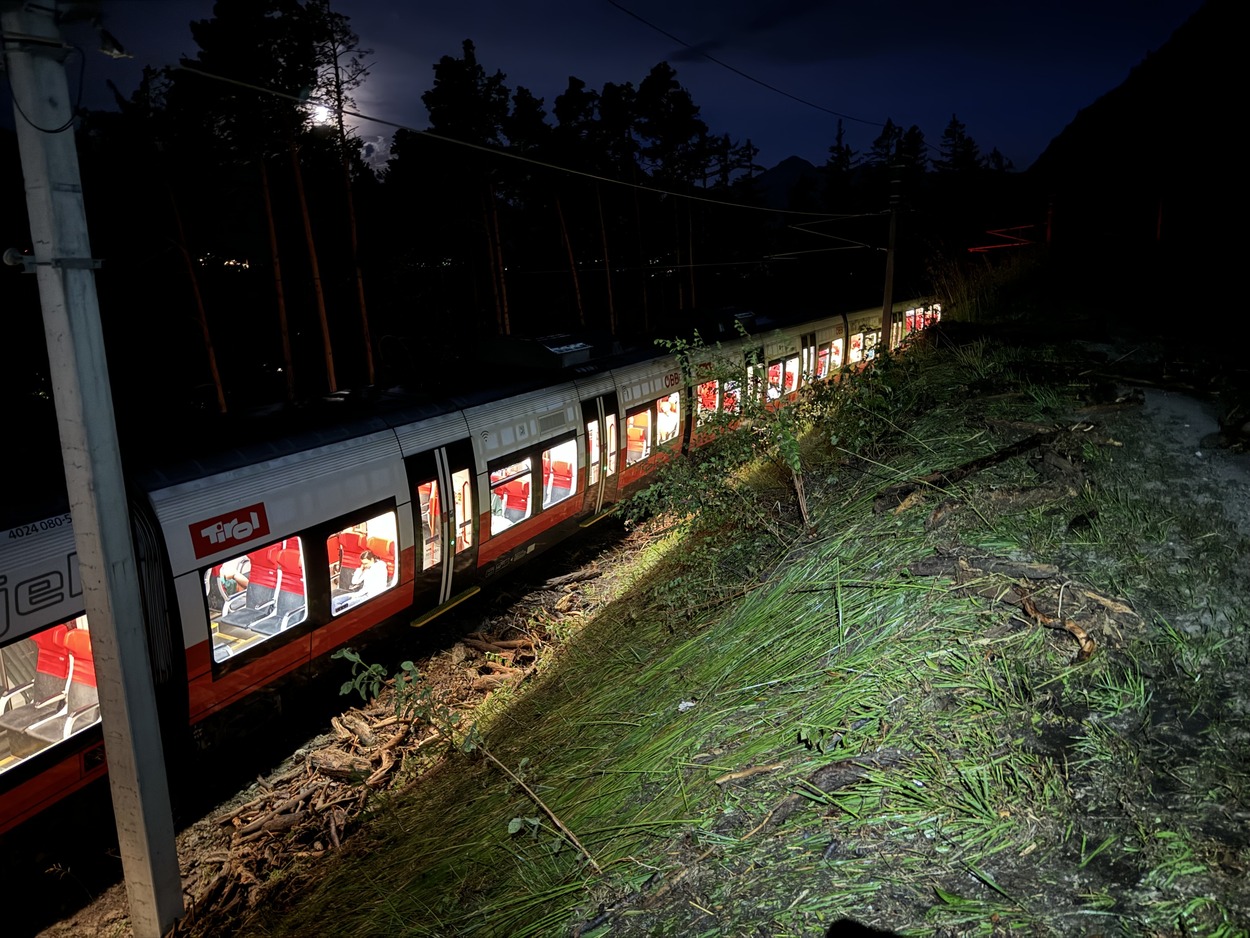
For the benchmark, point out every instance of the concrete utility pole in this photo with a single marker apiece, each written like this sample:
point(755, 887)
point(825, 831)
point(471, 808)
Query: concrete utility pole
point(34, 57)
point(887, 308)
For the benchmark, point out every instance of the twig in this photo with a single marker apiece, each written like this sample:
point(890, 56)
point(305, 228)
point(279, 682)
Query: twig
point(546, 810)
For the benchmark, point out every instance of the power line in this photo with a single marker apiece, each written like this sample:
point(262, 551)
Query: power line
point(742, 74)
point(494, 151)
point(753, 79)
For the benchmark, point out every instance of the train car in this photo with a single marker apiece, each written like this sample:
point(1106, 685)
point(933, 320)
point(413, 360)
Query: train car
point(263, 556)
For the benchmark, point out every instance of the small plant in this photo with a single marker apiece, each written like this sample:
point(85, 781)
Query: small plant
point(367, 679)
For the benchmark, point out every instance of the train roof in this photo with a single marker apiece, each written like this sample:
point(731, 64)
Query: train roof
point(163, 448)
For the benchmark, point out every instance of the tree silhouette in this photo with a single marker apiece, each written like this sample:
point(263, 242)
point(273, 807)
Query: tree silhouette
point(959, 152)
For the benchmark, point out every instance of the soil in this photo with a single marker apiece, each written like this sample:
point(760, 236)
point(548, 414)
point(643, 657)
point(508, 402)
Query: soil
point(316, 794)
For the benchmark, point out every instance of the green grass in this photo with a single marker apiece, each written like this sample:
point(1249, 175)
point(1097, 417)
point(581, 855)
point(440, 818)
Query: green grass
point(997, 787)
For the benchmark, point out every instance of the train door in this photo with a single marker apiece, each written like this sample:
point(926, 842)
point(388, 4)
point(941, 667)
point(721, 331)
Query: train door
point(600, 421)
point(444, 522)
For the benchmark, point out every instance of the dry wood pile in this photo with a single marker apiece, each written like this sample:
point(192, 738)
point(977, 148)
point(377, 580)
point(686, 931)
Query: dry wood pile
point(305, 811)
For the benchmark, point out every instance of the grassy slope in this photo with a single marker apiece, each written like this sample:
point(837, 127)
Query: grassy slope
point(765, 738)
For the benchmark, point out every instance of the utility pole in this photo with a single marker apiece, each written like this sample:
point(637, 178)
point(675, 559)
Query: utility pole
point(34, 54)
point(887, 303)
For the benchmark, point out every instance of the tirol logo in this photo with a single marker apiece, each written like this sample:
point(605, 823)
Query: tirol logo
point(229, 530)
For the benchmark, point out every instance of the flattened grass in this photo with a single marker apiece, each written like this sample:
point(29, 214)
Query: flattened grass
point(836, 737)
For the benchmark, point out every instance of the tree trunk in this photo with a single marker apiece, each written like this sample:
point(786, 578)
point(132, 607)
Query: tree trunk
point(607, 265)
point(200, 314)
point(568, 247)
point(339, 99)
point(287, 359)
point(643, 266)
point(690, 251)
point(500, 329)
point(318, 293)
point(499, 268)
point(360, 280)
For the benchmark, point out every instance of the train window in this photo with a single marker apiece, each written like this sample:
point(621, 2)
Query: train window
point(462, 483)
point(610, 430)
point(857, 347)
point(254, 596)
point(808, 352)
point(510, 495)
point(431, 526)
point(729, 400)
point(837, 353)
point(668, 418)
point(822, 362)
point(775, 379)
point(756, 380)
point(792, 374)
point(637, 435)
point(47, 690)
point(870, 344)
point(592, 453)
point(559, 472)
point(708, 396)
point(364, 561)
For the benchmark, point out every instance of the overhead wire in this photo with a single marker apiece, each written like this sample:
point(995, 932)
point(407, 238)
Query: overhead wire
point(495, 151)
point(739, 72)
point(751, 78)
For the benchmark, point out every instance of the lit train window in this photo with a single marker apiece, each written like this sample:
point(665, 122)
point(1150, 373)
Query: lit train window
point(708, 396)
point(462, 482)
point(668, 418)
point(592, 453)
point(822, 363)
point(637, 435)
point(870, 344)
point(431, 529)
point(729, 401)
point(610, 430)
point(254, 596)
point(510, 495)
point(47, 690)
point(808, 352)
point(857, 347)
point(775, 379)
point(559, 472)
point(364, 559)
point(756, 380)
point(837, 353)
point(792, 374)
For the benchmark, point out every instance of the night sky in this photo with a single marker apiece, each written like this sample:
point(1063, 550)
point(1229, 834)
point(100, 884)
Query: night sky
point(1015, 74)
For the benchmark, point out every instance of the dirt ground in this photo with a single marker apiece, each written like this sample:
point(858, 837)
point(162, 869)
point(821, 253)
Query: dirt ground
point(225, 854)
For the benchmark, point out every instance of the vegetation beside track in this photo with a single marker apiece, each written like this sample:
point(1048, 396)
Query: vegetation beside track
point(1004, 702)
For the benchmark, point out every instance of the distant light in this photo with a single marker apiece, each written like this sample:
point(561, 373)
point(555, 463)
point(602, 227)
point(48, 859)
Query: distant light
point(321, 114)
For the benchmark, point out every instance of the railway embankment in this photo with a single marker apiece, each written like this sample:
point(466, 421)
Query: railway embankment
point(993, 684)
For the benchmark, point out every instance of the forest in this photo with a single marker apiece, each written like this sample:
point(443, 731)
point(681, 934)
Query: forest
point(239, 221)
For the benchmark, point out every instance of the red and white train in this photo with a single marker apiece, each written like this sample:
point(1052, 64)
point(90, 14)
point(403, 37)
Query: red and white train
point(268, 555)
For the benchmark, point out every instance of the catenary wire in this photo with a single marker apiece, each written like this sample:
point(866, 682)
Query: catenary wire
point(505, 153)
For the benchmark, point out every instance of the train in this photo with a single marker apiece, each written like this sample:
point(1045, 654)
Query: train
point(269, 550)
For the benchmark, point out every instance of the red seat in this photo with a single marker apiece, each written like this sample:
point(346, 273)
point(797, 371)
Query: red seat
point(255, 602)
point(53, 655)
point(291, 566)
point(78, 643)
point(289, 608)
point(516, 497)
point(82, 701)
point(562, 474)
point(47, 691)
point(384, 549)
point(353, 542)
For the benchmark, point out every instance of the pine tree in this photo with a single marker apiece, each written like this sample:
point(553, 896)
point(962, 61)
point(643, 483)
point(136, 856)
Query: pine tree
point(959, 152)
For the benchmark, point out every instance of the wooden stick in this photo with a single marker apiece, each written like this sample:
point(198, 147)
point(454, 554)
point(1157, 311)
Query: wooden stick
point(546, 810)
